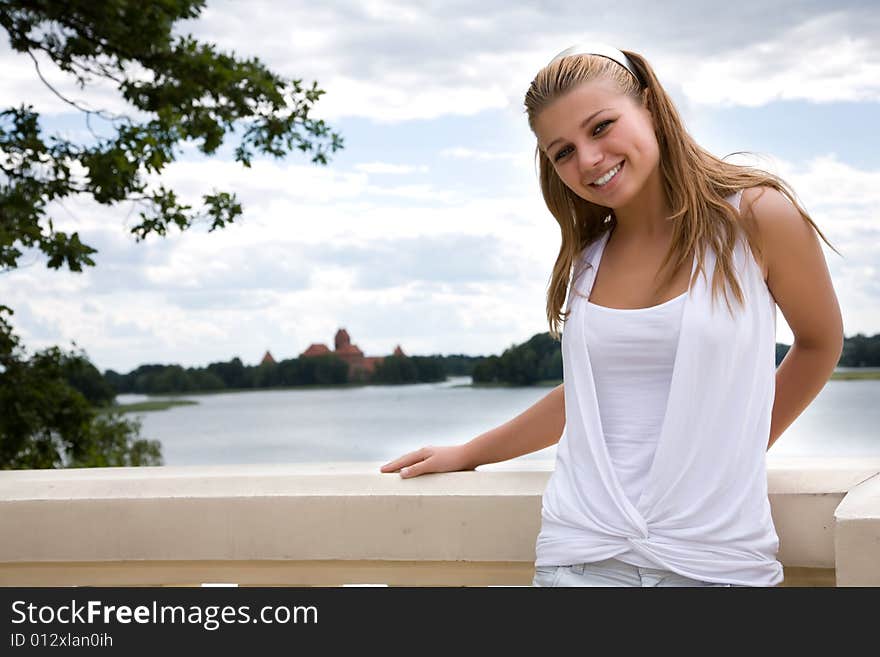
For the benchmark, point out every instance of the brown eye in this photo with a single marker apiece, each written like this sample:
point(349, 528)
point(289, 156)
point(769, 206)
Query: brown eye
point(604, 123)
point(561, 154)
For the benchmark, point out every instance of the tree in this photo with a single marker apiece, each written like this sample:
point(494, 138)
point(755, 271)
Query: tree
point(81, 375)
point(48, 423)
point(179, 90)
point(429, 368)
point(537, 359)
point(325, 369)
point(184, 89)
point(395, 369)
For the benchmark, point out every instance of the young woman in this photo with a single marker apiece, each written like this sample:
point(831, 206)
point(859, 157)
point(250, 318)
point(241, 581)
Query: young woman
point(671, 266)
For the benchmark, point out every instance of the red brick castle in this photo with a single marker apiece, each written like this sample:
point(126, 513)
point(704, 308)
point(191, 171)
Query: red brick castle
point(359, 366)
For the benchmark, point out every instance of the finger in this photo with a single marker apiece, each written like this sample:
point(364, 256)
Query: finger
point(419, 468)
point(405, 460)
point(414, 470)
point(396, 465)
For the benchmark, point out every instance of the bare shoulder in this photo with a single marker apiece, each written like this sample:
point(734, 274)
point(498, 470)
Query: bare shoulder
point(768, 204)
point(776, 221)
point(795, 269)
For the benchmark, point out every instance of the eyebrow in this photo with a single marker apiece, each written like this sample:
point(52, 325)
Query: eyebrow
point(582, 125)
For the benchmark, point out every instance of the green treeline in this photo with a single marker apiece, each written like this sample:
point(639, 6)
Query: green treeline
point(858, 351)
point(538, 359)
point(327, 369)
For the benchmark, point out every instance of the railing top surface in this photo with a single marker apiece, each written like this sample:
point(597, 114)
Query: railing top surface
point(786, 475)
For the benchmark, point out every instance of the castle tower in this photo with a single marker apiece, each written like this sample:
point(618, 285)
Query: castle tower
point(342, 339)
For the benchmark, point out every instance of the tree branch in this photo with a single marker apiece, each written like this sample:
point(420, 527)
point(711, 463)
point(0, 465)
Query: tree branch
point(107, 116)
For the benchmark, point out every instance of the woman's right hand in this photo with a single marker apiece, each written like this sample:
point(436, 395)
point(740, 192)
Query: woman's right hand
point(430, 459)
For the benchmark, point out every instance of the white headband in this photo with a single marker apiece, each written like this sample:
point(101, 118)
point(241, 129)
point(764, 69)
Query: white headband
point(602, 50)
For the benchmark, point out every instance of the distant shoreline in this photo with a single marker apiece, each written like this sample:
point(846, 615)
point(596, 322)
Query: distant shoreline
point(855, 375)
point(168, 400)
point(850, 375)
point(147, 406)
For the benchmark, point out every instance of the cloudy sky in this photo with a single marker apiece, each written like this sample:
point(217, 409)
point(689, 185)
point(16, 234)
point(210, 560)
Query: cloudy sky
point(429, 230)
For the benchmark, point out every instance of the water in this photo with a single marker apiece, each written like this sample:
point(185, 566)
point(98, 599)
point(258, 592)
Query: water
point(380, 423)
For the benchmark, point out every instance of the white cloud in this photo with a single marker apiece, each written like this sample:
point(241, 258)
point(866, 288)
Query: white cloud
point(386, 168)
point(402, 61)
point(316, 248)
point(404, 98)
point(462, 153)
point(395, 61)
point(818, 60)
point(824, 183)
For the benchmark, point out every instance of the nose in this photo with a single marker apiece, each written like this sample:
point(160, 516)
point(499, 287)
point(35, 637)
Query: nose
point(589, 161)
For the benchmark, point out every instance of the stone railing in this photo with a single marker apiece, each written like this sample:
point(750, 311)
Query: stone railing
point(333, 524)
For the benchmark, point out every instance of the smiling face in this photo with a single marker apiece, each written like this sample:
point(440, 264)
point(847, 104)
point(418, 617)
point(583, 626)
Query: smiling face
point(600, 142)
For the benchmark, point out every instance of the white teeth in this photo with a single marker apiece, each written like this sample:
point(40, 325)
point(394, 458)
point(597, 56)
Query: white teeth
point(608, 176)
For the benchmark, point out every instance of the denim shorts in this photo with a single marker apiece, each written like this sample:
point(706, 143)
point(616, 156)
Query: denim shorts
point(612, 572)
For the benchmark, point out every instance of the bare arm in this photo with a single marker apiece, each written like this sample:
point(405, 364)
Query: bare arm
point(537, 427)
point(799, 378)
point(798, 279)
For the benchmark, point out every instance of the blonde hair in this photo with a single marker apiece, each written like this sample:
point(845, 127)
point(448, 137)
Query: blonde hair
point(695, 183)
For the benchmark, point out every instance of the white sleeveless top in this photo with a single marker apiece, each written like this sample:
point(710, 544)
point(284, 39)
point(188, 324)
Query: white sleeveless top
point(632, 353)
point(662, 459)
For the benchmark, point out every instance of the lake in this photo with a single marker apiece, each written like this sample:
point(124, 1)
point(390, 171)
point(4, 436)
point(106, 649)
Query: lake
point(379, 423)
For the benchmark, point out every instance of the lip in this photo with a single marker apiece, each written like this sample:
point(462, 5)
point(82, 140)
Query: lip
point(611, 184)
